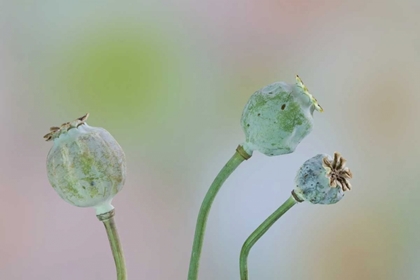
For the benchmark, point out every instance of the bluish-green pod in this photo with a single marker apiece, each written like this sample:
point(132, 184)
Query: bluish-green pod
point(86, 165)
point(277, 118)
point(322, 180)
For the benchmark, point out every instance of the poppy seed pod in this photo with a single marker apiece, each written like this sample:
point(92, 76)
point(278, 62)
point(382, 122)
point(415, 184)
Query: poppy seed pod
point(277, 118)
point(86, 165)
point(322, 180)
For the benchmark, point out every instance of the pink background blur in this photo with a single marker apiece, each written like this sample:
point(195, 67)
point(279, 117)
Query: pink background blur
point(169, 80)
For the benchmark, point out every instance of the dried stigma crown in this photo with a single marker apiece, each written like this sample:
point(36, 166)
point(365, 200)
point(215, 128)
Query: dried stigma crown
point(300, 84)
point(337, 173)
point(55, 131)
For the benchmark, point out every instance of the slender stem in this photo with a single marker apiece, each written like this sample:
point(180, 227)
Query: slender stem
point(239, 156)
point(253, 238)
point(114, 240)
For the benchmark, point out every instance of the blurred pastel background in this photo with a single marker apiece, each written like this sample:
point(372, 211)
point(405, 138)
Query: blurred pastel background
point(169, 80)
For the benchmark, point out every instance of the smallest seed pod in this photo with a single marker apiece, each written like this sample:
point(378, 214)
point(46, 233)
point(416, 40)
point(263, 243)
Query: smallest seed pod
point(277, 118)
point(86, 165)
point(322, 180)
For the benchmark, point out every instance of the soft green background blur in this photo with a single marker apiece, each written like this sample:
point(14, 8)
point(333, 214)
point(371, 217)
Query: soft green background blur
point(169, 80)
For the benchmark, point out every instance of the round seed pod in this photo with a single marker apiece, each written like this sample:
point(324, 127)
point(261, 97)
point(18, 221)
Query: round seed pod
point(322, 180)
point(277, 118)
point(86, 165)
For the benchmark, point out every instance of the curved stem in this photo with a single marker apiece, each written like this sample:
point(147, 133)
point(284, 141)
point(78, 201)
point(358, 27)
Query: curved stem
point(239, 156)
point(114, 240)
point(260, 231)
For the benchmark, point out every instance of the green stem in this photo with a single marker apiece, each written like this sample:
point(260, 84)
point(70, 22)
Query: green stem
point(239, 156)
point(260, 231)
point(114, 240)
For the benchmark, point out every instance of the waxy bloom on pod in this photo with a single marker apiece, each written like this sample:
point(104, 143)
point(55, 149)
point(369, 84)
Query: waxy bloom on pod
point(322, 180)
point(86, 165)
point(277, 118)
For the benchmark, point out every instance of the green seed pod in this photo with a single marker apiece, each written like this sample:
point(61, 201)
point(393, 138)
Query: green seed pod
point(277, 118)
point(321, 180)
point(86, 165)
